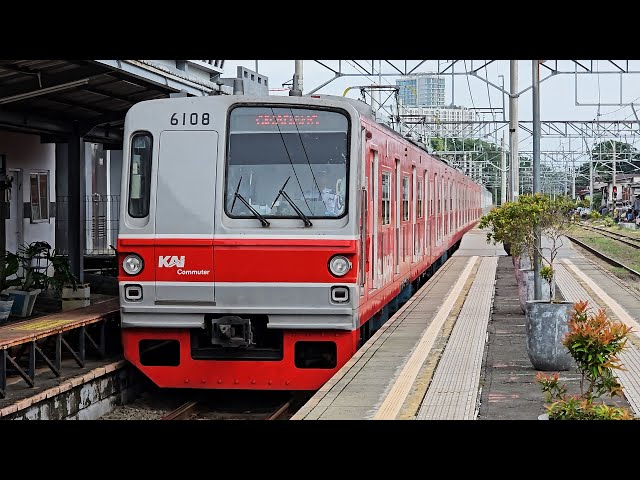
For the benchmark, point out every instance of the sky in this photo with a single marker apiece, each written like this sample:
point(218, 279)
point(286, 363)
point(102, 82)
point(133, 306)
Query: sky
point(563, 96)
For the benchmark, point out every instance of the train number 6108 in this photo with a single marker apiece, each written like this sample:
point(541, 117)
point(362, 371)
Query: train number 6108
point(189, 119)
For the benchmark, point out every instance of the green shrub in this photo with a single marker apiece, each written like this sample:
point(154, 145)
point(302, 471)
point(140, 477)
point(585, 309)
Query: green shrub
point(594, 342)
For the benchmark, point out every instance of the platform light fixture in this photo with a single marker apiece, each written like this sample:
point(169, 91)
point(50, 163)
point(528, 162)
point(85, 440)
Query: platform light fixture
point(43, 91)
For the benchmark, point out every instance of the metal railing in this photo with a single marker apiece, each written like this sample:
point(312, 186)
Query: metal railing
point(101, 214)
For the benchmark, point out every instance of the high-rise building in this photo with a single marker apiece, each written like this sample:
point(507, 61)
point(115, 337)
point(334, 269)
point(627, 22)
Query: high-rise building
point(421, 90)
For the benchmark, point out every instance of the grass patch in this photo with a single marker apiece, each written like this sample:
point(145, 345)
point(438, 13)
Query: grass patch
point(620, 252)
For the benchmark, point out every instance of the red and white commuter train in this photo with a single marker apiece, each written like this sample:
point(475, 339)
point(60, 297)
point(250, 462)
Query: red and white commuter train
point(262, 240)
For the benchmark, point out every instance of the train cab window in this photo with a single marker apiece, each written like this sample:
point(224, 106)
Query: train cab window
point(386, 198)
point(140, 175)
point(405, 198)
point(287, 162)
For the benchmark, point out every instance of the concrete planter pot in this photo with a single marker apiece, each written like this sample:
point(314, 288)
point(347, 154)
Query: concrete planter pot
point(23, 301)
point(82, 291)
point(547, 324)
point(526, 288)
point(5, 309)
point(80, 297)
point(521, 262)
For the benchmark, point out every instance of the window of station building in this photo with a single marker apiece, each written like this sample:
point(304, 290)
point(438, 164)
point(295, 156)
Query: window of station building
point(405, 198)
point(386, 198)
point(39, 188)
point(420, 193)
point(140, 175)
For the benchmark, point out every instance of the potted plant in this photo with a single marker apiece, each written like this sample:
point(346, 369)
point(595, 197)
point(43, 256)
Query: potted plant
point(514, 223)
point(500, 228)
point(594, 342)
point(547, 319)
point(8, 268)
point(36, 260)
point(66, 285)
point(32, 260)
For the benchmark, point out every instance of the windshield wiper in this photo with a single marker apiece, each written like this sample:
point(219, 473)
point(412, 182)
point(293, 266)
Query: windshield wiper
point(305, 219)
point(264, 221)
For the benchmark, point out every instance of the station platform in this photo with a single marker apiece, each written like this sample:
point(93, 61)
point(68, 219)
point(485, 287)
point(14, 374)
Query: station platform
point(40, 353)
point(457, 349)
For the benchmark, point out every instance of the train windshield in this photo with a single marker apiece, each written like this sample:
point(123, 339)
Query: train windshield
point(285, 160)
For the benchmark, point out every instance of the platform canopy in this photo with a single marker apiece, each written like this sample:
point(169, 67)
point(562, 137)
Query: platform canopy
point(89, 98)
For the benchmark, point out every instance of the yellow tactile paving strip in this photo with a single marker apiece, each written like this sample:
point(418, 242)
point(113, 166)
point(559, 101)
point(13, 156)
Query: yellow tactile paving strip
point(630, 357)
point(36, 328)
point(453, 393)
point(398, 393)
point(431, 294)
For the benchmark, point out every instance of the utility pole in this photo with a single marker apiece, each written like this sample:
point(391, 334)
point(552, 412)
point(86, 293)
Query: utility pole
point(296, 90)
point(513, 130)
point(573, 178)
point(379, 99)
point(613, 187)
point(590, 173)
point(503, 172)
point(535, 75)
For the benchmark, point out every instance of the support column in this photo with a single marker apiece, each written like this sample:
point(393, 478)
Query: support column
point(514, 190)
point(535, 75)
point(75, 210)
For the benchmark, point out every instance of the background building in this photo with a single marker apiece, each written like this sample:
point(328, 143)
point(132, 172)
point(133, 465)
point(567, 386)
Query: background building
point(421, 90)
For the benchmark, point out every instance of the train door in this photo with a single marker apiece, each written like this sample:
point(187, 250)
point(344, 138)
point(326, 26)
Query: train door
point(436, 210)
point(398, 221)
point(414, 216)
point(443, 203)
point(184, 217)
point(427, 213)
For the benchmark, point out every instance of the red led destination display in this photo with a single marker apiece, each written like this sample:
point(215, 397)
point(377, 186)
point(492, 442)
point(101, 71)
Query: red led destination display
point(286, 119)
point(279, 120)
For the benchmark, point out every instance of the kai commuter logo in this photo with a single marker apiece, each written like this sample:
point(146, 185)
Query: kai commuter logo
point(171, 261)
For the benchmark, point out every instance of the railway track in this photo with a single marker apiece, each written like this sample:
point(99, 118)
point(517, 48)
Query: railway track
point(604, 257)
point(183, 404)
point(194, 410)
point(626, 239)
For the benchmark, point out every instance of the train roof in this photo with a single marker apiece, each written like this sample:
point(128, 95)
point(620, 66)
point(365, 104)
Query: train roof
point(365, 110)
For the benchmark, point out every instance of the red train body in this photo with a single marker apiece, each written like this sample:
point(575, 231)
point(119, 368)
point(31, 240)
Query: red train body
point(233, 276)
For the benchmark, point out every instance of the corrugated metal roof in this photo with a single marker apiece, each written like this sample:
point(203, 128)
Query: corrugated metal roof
point(174, 73)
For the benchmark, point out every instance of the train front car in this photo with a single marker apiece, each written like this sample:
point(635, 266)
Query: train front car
point(238, 241)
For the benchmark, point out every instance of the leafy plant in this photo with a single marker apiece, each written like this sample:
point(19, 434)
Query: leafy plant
point(594, 342)
point(8, 268)
point(35, 259)
point(512, 223)
point(531, 218)
point(62, 274)
point(583, 203)
point(552, 220)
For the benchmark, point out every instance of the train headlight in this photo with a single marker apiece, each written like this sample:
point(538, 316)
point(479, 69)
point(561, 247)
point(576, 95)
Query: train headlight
point(132, 264)
point(339, 265)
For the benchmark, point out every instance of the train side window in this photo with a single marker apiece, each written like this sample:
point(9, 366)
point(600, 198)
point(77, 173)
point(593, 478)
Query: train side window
point(140, 175)
point(405, 198)
point(419, 198)
point(386, 198)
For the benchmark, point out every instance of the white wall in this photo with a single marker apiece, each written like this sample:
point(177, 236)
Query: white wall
point(27, 153)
